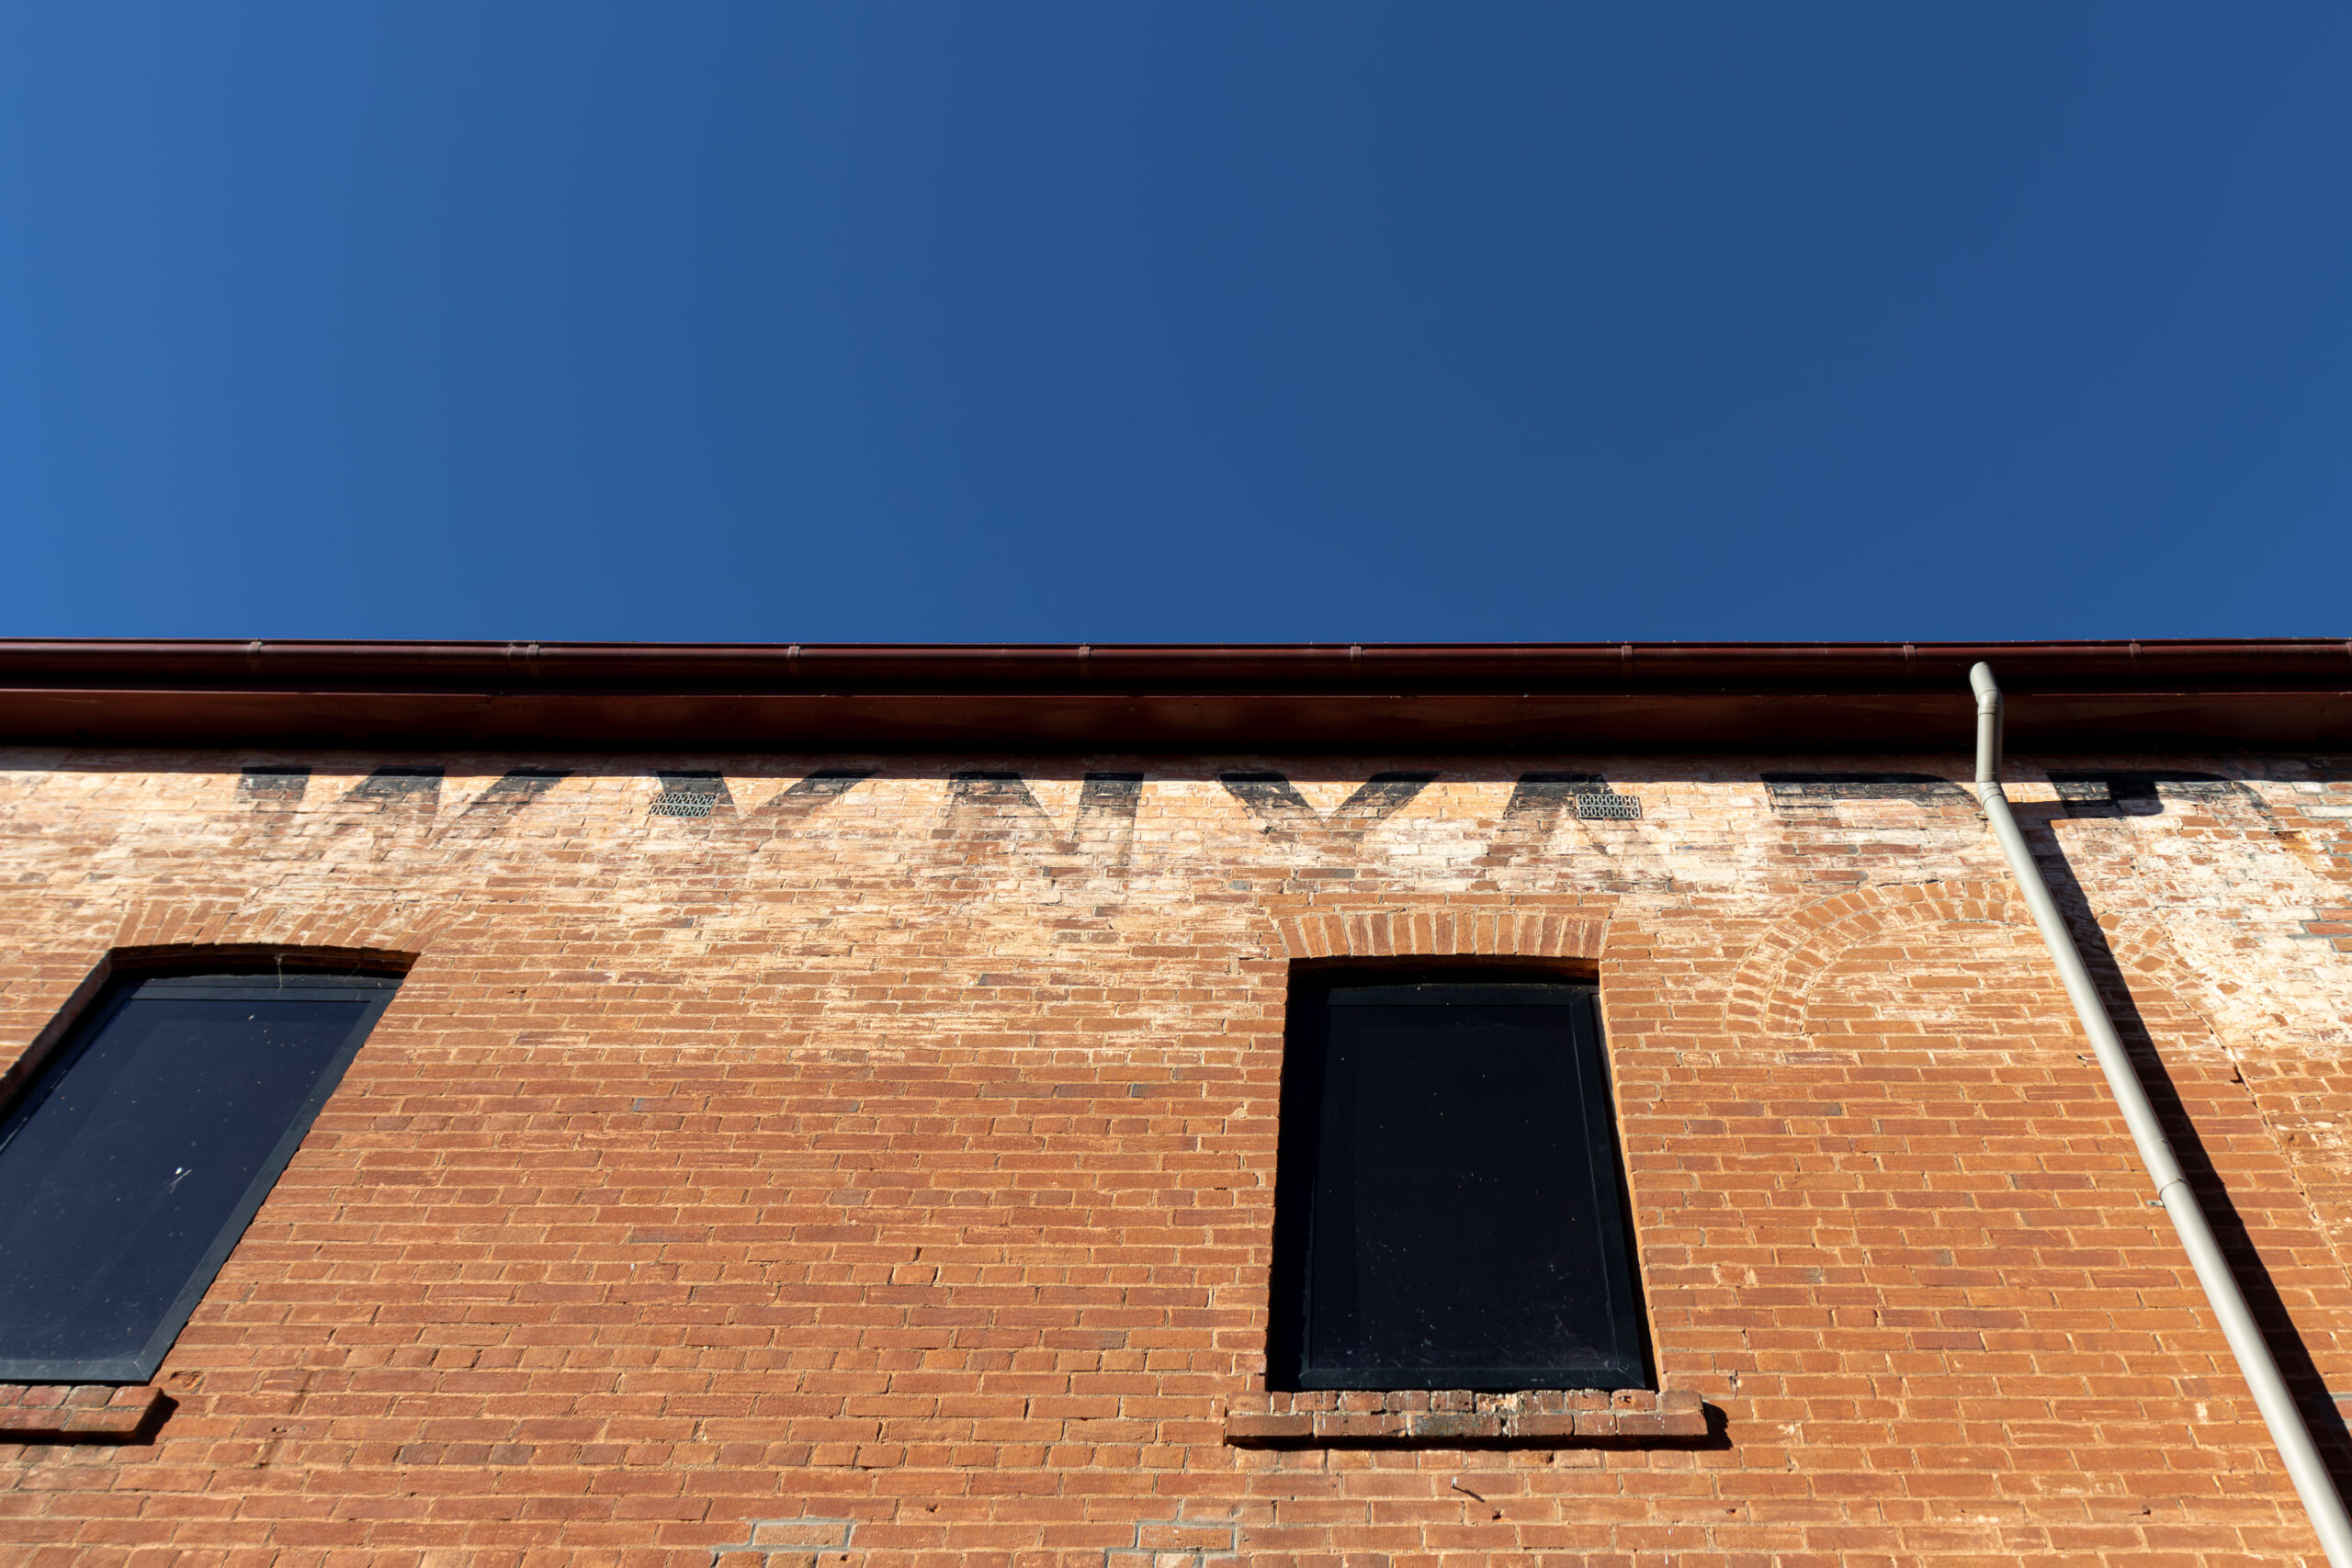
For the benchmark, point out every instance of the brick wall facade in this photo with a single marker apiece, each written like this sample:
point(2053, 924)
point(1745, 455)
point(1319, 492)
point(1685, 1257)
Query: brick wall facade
point(876, 1169)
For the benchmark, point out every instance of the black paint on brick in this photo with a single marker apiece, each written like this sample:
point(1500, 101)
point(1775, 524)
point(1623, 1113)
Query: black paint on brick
point(1804, 791)
point(273, 789)
point(520, 786)
point(1272, 799)
point(1105, 829)
point(525, 784)
point(1533, 811)
point(509, 794)
point(982, 790)
point(986, 807)
point(399, 786)
point(1549, 792)
point(1380, 797)
point(812, 793)
point(1110, 795)
point(1277, 805)
point(1538, 801)
point(2141, 791)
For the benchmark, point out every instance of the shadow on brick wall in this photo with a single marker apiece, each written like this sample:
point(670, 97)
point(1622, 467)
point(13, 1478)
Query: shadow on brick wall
point(2295, 1363)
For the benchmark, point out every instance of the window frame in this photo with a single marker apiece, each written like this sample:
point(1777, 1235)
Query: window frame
point(1297, 1183)
point(374, 988)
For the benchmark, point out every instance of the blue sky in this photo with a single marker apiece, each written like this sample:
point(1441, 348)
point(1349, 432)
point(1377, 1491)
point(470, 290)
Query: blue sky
point(1192, 321)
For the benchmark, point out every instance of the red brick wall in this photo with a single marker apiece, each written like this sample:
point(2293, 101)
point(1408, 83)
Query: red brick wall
point(881, 1174)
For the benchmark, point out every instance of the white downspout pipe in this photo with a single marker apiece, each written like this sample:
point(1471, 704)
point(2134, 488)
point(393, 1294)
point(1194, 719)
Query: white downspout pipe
point(2287, 1430)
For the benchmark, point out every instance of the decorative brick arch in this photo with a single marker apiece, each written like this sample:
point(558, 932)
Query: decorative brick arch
point(1444, 927)
point(374, 925)
point(1770, 991)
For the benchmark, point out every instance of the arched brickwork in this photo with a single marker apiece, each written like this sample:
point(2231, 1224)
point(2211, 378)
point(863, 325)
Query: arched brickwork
point(1773, 987)
point(384, 926)
point(1770, 989)
point(2276, 1177)
point(48, 987)
point(1444, 927)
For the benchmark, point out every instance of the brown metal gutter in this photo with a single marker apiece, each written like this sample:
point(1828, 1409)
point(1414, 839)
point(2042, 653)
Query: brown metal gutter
point(1541, 698)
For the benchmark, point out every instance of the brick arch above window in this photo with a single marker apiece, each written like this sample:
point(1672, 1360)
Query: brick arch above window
point(1438, 926)
point(383, 926)
point(62, 1003)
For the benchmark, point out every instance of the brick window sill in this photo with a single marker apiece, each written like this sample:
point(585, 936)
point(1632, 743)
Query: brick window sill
point(79, 1412)
point(1550, 1419)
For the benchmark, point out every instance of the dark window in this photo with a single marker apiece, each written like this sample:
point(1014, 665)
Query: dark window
point(140, 1152)
point(1447, 1202)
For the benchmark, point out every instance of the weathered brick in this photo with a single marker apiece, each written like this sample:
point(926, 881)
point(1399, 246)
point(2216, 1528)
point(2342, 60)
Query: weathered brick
point(905, 1160)
point(1259, 1428)
point(78, 1413)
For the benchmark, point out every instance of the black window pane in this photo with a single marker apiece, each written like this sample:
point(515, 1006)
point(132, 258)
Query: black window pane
point(125, 1166)
point(1463, 1228)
